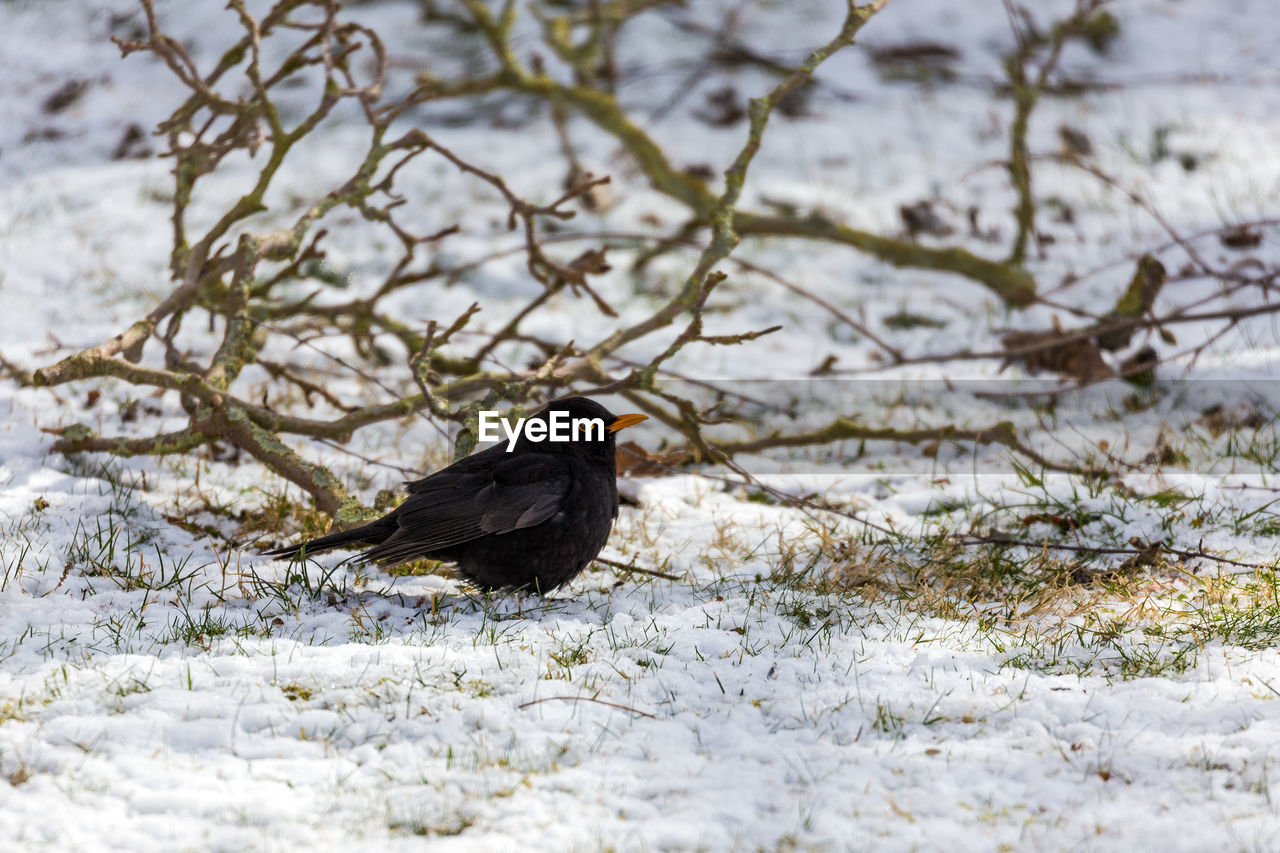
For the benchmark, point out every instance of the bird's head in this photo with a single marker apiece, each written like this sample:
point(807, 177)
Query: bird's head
point(589, 426)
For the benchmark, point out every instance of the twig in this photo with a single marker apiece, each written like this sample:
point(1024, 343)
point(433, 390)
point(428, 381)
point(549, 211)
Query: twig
point(626, 708)
point(1154, 548)
point(632, 567)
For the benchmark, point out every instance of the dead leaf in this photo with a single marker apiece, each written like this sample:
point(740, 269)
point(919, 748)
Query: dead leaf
point(1078, 358)
point(1062, 522)
point(1140, 368)
point(1075, 142)
point(1219, 419)
point(826, 366)
point(635, 461)
point(133, 144)
point(921, 218)
point(1240, 237)
point(724, 108)
point(1147, 556)
point(591, 262)
point(65, 96)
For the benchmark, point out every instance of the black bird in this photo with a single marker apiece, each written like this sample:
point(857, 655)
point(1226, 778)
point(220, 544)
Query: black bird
point(530, 518)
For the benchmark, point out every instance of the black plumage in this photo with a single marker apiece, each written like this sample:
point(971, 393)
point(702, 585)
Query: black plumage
point(530, 518)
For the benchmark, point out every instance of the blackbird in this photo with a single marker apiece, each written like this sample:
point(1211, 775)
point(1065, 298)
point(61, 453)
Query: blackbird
point(529, 514)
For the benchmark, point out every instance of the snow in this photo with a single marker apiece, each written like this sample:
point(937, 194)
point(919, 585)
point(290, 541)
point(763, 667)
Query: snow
point(160, 689)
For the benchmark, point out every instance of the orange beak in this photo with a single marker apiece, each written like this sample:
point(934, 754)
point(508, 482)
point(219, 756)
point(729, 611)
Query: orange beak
point(625, 421)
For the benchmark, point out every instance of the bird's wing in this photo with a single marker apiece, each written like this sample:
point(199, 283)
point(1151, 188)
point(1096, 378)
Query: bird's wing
point(476, 463)
point(452, 507)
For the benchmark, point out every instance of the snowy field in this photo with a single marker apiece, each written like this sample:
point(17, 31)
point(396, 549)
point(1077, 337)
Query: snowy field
point(804, 684)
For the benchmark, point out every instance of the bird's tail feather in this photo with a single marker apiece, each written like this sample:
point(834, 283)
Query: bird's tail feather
point(369, 534)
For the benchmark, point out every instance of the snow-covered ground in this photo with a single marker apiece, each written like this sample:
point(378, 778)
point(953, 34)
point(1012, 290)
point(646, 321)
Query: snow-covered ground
point(800, 686)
